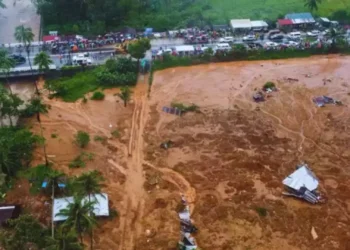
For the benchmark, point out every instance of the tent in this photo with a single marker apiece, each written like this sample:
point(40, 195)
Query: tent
point(101, 207)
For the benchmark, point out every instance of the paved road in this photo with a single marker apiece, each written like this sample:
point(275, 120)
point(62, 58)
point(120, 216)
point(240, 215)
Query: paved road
point(18, 12)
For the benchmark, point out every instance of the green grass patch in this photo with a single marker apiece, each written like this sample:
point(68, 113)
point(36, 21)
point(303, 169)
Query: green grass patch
point(185, 108)
point(261, 211)
point(98, 95)
point(100, 138)
point(116, 133)
point(80, 160)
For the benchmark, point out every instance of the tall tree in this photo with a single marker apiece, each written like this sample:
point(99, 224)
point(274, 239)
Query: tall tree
point(9, 104)
point(79, 217)
point(37, 107)
point(64, 240)
point(138, 48)
point(25, 35)
point(312, 4)
point(43, 60)
point(89, 183)
point(6, 63)
point(125, 94)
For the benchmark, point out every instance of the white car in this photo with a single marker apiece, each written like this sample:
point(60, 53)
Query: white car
point(227, 39)
point(82, 59)
point(222, 46)
point(314, 33)
point(271, 44)
point(294, 35)
point(249, 38)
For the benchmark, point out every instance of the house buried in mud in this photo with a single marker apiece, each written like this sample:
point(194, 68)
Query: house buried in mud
point(302, 184)
point(187, 242)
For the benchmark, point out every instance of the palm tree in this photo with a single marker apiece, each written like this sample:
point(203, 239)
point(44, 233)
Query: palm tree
point(53, 178)
point(89, 183)
point(125, 94)
point(26, 36)
point(64, 240)
point(6, 63)
point(80, 216)
point(37, 107)
point(43, 60)
point(312, 4)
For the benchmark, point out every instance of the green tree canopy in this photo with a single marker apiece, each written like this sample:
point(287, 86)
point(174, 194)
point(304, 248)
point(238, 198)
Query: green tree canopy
point(82, 139)
point(43, 60)
point(125, 94)
point(79, 215)
point(138, 49)
point(64, 240)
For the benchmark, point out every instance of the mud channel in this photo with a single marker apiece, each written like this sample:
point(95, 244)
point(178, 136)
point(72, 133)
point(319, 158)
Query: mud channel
point(228, 159)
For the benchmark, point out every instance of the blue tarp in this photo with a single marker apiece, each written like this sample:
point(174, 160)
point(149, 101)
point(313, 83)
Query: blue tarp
point(148, 31)
point(60, 185)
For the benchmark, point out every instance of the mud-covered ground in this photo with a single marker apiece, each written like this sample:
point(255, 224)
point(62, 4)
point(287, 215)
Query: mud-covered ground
point(229, 159)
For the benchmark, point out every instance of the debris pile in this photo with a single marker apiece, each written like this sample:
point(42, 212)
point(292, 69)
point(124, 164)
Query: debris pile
point(167, 144)
point(187, 241)
point(321, 101)
point(302, 184)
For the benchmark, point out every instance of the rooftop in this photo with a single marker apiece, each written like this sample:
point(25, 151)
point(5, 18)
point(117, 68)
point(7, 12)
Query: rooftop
point(241, 24)
point(101, 207)
point(302, 177)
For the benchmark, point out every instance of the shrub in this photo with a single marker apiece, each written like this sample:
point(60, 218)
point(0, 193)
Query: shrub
point(184, 108)
point(100, 138)
point(269, 85)
point(53, 135)
point(79, 161)
point(97, 95)
point(82, 139)
point(85, 99)
point(115, 133)
point(261, 211)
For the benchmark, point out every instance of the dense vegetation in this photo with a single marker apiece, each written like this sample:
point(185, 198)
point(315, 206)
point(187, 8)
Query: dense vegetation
point(97, 17)
point(120, 72)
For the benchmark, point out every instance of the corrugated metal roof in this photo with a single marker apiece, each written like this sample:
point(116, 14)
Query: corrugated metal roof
point(241, 24)
point(285, 22)
point(101, 207)
point(299, 18)
point(258, 24)
point(325, 19)
point(302, 177)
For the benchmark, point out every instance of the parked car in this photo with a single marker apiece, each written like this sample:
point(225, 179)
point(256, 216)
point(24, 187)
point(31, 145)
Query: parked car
point(271, 44)
point(294, 35)
point(82, 59)
point(277, 37)
point(289, 44)
point(227, 39)
point(314, 33)
point(18, 59)
point(249, 38)
point(222, 46)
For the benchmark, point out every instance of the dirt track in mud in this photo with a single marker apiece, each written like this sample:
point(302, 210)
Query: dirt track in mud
point(228, 160)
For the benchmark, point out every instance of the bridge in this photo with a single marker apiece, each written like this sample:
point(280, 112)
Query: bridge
point(24, 71)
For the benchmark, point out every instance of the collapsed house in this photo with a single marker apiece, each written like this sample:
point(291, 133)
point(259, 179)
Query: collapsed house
point(321, 101)
point(187, 242)
point(302, 184)
point(258, 97)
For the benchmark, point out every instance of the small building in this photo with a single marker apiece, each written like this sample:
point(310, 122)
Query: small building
point(101, 207)
point(301, 20)
point(246, 25)
point(8, 212)
point(259, 25)
point(284, 24)
point(241, 25)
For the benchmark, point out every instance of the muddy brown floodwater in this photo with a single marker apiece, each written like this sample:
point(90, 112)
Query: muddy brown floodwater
point(229, 159)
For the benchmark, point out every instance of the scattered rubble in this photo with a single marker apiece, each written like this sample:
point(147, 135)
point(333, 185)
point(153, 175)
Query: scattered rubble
point(321, 101)
point(167, 144)
point(187, 242)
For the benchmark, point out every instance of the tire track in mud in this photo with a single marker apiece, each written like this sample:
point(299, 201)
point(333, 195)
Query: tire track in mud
point(134, 198)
